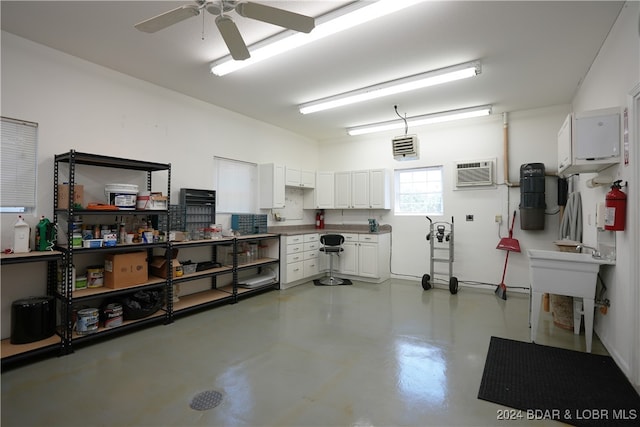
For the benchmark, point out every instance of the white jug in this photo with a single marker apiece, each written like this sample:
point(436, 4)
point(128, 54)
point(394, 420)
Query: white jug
point(21, 236)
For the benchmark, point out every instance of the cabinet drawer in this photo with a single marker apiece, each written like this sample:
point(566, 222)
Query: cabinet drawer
point(295, 239)
point(295, 271)
point(293, 249)
point(350, 237)
point(310, 255)
point(294, 258)
point(370, 238)
point(313, 237)
point(311, 246)
point(310, 267)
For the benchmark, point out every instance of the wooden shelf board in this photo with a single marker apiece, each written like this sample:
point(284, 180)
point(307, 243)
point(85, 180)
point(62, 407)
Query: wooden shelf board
point(9, 349)
point(91, 292)
point(101, 329)
point(199, 298)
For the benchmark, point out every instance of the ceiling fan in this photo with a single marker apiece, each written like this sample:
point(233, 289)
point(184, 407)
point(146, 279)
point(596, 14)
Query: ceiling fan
point(228, 29)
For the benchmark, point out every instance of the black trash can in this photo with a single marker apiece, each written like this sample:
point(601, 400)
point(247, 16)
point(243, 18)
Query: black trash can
point(32, 319)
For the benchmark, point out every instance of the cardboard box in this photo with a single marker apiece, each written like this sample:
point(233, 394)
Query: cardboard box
point(63, 195)
point(158, 264)
point(125, 269)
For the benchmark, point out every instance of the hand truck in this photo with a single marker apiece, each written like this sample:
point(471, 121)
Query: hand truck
point(440, 239)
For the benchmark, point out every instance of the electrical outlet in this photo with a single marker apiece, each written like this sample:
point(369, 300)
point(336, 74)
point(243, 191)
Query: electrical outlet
point(469, 217)
point(499, 219)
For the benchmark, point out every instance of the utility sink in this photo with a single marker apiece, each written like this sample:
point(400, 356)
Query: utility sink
point(565, 273)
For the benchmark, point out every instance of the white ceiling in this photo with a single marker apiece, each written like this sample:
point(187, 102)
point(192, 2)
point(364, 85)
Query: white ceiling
point(533, 54)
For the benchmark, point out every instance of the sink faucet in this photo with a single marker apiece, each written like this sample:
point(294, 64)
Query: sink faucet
point(594, 252)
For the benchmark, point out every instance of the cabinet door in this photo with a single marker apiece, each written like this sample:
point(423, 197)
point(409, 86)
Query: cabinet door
point(379, 194)
point(308, 179)
point(322, 197)
point(342, 190)
point(278, 187)
point(272, 193)
point(292, 177)
point(368, 260)
point(348, 259)
point(564, 145)
point(360, 190)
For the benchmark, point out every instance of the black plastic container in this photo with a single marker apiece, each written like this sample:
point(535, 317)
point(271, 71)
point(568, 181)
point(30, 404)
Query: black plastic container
point(32, 319)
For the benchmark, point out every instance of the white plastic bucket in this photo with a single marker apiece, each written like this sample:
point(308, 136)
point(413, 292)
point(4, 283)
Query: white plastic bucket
point(122, 195)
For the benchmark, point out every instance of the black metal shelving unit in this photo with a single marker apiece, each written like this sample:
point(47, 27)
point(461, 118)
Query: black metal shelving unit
point(63, 258)
point(16, 353)
point(66, 294)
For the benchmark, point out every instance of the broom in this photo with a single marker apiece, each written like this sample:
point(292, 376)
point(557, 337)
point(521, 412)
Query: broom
point(507, 244)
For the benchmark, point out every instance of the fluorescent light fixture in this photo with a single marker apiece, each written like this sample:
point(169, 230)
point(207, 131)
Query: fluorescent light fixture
point(333, 22)
point(405, 84)
point(426, 119)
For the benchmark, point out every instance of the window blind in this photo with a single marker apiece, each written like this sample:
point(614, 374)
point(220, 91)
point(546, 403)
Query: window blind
point(19, 163)
point(236, 185)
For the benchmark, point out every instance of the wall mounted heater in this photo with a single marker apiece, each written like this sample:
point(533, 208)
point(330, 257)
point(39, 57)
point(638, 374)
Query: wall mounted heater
point(405, 147)
point(474, 173)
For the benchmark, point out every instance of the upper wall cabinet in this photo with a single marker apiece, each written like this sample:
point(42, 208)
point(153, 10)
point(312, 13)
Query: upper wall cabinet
point(322, 197)
point(366, 189)
point(589, 141)
point(272, 194)
point(299, 178)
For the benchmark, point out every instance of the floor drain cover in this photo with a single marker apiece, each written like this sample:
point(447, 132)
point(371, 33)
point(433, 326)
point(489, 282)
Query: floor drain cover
point(206, 400)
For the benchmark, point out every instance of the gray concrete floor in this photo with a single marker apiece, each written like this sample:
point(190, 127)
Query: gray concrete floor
point(385, 354)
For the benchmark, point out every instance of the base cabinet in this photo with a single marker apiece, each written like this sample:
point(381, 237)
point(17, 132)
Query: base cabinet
point(301, 254)
point(365, 256)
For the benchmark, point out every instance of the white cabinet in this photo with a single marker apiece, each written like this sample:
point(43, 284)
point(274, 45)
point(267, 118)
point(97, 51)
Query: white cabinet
point(299, 178)
point(379, 189)
point(272, 193)
point(342, 190)
point(300, 254)
point(589, 141)
point(322, 196)
point(366, 189)
point(365, 256)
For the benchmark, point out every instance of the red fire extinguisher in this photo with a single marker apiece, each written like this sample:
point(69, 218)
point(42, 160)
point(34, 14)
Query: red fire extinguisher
point(317, 219)
point(322, 218)
point(616, 208)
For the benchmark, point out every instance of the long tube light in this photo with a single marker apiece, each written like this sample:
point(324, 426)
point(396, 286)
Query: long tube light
point(426, 119)
point(405, 84)
point(333, 22)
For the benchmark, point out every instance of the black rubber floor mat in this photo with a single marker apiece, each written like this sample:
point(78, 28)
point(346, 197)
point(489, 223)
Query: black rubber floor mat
point(543, 382)
point(344, 282)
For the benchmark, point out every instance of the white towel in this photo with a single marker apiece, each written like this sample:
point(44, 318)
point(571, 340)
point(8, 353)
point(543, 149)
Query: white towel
point(571, 223)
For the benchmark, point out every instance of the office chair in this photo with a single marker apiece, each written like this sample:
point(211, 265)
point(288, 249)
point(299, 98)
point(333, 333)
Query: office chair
point(331, 244)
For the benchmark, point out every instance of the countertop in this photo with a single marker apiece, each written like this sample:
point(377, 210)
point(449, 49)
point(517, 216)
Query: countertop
point(291, 230)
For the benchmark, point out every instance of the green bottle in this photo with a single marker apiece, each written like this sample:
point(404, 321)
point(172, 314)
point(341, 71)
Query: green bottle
point(43, 235)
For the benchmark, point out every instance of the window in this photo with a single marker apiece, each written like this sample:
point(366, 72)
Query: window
point(18, 165)
point(419, 191)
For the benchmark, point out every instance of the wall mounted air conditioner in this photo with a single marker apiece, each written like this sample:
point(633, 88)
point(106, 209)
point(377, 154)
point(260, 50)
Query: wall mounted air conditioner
point(405, 147)
point(474, 173)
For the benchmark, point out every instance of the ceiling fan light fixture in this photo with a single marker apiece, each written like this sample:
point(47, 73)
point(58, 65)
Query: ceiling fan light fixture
point(425, 119)
point(330, 23)
point(405, 84)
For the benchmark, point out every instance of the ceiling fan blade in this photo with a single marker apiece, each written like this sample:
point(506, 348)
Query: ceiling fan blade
point(273, 15)
point(166, 19)
point(232, 38)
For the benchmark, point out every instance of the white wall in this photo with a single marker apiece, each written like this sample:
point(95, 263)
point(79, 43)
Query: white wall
point(613, 75)
point(532, 138)
point(82, 106)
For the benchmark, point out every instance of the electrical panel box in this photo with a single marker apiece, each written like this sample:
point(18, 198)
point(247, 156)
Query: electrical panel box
point(589, 141)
